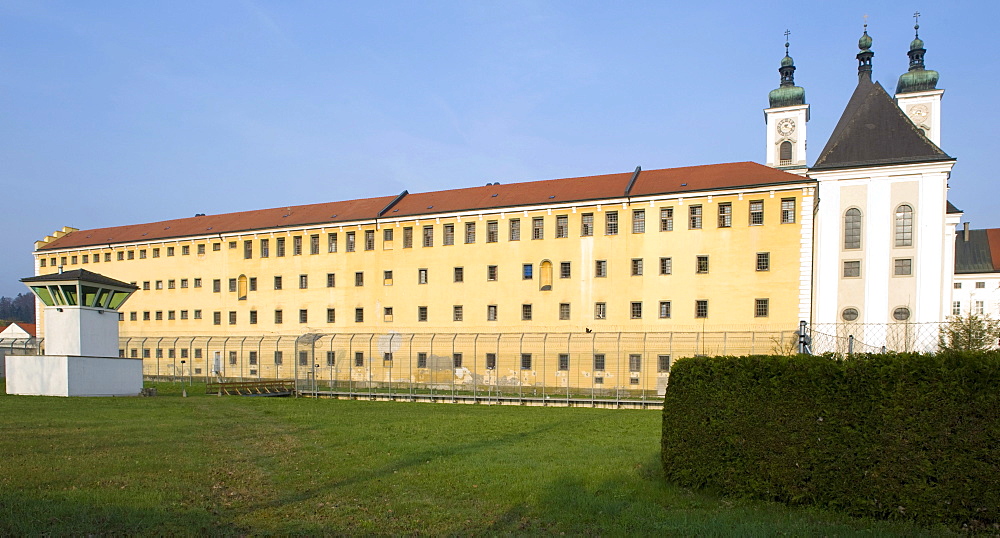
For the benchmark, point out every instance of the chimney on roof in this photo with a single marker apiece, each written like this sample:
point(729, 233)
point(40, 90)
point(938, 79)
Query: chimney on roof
point(965, 234)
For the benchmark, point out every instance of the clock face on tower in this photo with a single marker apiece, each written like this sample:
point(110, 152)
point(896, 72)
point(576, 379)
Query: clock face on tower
point(918, 113)
point(786, 127)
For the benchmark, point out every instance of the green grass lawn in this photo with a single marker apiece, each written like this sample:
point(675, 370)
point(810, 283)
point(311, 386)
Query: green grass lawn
point(236, 465)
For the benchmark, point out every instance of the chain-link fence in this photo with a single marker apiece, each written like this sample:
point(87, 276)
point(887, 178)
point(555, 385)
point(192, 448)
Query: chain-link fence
point(847, 338)
point(457, 366)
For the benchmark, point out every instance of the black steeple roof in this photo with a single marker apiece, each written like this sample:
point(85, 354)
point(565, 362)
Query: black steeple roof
point(873, 131)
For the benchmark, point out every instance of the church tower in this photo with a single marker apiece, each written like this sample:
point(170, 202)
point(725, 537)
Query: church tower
point(786, 120)
point(916, 92)
point(884, 236)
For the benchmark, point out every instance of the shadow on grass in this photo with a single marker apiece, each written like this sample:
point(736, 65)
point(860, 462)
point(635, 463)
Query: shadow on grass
point(27, 515)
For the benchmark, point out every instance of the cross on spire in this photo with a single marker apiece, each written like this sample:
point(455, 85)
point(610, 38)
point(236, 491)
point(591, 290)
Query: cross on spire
point(916, 23)
point(787, 33)
point(866, 23)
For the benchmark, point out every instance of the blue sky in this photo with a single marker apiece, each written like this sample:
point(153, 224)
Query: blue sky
point(118, 112)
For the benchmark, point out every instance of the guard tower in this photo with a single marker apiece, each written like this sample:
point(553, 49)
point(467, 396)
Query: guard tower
point(81, 340)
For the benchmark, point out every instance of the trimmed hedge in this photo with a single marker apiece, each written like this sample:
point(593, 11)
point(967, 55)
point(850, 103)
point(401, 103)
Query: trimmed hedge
point(892, 436)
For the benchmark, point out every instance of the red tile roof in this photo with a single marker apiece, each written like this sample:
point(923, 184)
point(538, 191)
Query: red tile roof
point(579, 189)
point(26, 327)
point(993, 236)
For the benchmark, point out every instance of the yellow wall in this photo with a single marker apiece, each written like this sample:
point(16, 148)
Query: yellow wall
point(731, 286)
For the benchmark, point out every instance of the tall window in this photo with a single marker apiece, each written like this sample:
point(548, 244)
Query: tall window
point(331, 242)
point(664, 309)
point(470, 232)
point(852, 228)
point(756, 212)
point(587, 224)
point(701, 264)
point(408, 237)
point(562, 226)
point(638, 221)
point(761, 308)
point(904, 226)
point(726, 215)
point(265, 248)
point(785, 153)
point(428, 236)
point(787, 210)
point(314, 244)
point(449, 234)
point(538, 228)
point(763, 261)
point(694, 217)
point(350, 242)
point(369, 241)
point(279, 246)
point(601, 268)
point(492, 231)
point(600, 310)
point(247, 249)
point(701, 309)
point(297, 245)
point(666, 266)
point(611, 223)
point(667, 219)
point(515, 229)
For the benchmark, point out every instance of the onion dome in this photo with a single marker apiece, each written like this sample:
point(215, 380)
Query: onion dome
point(787, 94)
point(865, 56)
point(917, 79)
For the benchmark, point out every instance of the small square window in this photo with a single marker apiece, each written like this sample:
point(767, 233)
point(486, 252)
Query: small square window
point(600, 310)
point(763, 261)
point(852, 269)
point(761, 308)
point(664, 309)
point(636, 266)
point(701, 265)
point(459, 274)
point(701, 309)
point(563, 311)
point(526, 312)
point(902, 267)
point(636, 310)
point(666, 266)
point(527, 271)
point(565, 270)
point(526, 361)
point(980, 285)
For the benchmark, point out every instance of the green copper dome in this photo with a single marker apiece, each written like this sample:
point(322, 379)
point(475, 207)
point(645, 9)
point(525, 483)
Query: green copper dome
point(865, 42)
point(787, 96)
point(787, 61)
point(918, 80)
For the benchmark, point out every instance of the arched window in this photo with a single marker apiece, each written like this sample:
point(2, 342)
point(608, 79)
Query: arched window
point(852, 228)
point(904, 226)
point(545, 270)
point(241, 287)
point(785, 153)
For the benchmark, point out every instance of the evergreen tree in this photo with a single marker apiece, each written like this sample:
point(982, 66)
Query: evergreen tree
point(969, 333)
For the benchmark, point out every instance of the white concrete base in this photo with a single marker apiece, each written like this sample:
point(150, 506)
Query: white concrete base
point(66, 375)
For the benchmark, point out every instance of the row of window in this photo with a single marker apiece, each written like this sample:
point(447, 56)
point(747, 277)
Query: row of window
point(243, 284)
point(611, 227)
point(979, 285)
point(761, 310)
point(900, 267)
point(977, 307)
point(900, 313)
point(903, 227)
point(526, 362)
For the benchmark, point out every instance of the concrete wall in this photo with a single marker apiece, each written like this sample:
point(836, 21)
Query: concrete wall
point(48, 375)
point(75, 330)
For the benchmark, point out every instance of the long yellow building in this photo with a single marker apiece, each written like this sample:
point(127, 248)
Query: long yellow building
point(708, 248)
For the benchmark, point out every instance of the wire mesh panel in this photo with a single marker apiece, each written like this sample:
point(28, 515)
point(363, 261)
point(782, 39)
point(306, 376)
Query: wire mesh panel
point(846, 338)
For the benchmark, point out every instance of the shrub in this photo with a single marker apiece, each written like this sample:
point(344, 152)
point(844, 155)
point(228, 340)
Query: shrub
point(892, 436)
